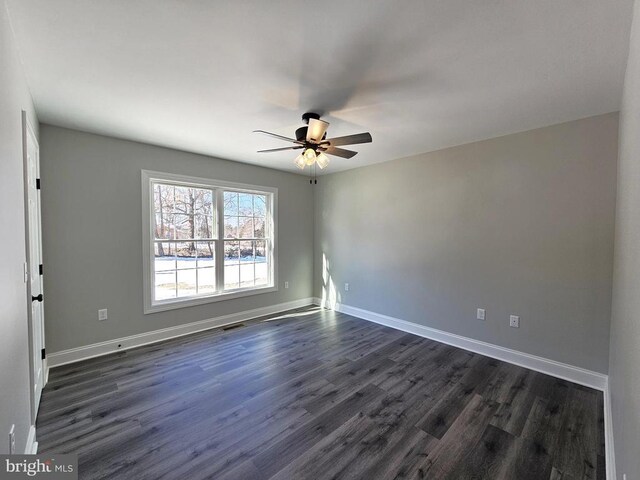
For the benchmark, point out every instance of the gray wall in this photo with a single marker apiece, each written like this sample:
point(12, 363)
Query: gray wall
point(92, 235)
point(624, 363)
point(522, 224)
point(14, 343)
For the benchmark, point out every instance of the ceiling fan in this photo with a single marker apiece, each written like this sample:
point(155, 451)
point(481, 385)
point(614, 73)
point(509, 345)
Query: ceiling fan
point(312, 140)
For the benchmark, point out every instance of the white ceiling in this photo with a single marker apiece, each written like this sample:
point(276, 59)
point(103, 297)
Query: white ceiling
point(419, 75)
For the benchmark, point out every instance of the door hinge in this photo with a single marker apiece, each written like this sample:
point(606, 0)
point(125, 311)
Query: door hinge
point(44, 354)
point(40, 269)
point(37, 183)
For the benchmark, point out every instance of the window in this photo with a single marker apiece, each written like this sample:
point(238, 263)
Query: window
point(206, 240)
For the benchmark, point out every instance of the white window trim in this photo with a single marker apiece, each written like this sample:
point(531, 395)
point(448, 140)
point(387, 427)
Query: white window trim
point(147, 238)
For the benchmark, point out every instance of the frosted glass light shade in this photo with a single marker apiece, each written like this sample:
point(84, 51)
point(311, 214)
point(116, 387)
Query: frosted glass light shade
point(316, 130)
point(322, 160)
point(300, 162)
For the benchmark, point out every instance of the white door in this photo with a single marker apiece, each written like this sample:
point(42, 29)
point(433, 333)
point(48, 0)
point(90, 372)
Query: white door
point(34, 245)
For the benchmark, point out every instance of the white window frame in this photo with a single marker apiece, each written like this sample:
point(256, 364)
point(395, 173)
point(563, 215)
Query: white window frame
point(148, 237)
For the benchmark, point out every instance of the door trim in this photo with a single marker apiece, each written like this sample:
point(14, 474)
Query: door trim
point(27, 130)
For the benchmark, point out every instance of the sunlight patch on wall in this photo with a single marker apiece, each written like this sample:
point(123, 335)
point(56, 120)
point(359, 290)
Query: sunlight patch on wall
point(330, 296)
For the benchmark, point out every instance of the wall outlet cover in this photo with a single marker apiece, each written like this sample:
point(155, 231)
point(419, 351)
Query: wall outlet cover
point(514, 321)
point(286, 284)
point(480, 314)
point(102, 314)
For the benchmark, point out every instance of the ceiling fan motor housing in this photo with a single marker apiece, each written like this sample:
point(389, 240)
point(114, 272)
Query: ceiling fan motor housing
point(301, 134)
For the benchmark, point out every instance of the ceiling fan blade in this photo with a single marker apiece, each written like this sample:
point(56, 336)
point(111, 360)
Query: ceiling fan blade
point(281, 137)
point(316, 130)
point(281, 149)
point(349, 139)
point(340, 152)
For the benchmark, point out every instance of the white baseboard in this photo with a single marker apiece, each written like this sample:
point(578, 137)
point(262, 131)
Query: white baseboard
point(539, 364)
point(608, 435)
point(110, 346)
point(32, 446)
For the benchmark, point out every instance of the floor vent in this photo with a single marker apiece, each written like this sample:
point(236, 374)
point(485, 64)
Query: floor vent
point(232, 327)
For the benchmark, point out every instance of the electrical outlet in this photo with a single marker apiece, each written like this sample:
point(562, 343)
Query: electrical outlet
point(102, 314)
point(514, 321)
point(12, 440)
point(346, 287)
point(286, 284)
point(480, 314)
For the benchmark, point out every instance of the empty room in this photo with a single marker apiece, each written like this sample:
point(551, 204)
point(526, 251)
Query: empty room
point(339, 240)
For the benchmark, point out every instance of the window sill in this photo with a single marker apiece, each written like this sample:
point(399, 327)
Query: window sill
point(219, 297)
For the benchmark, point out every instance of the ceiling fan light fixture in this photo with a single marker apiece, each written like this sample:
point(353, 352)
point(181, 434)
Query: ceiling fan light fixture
point(322, 160)
point(310, 156)
point(300, 162)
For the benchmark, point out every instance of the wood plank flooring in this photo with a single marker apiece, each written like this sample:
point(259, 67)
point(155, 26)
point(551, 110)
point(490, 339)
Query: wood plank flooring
point(315, 394)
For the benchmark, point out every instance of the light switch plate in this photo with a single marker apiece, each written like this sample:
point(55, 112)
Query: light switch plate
point(102, 314)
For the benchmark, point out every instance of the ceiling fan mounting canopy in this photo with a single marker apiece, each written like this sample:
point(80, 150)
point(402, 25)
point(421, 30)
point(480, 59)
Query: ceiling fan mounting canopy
point(308, 116)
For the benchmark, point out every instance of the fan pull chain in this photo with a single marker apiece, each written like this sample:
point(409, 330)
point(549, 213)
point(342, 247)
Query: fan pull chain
point(313, 178)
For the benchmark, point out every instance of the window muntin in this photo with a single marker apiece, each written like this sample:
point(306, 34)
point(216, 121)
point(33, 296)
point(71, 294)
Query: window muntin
point(207, 241)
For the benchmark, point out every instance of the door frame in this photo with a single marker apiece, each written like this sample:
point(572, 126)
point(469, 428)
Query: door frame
point(28, 131)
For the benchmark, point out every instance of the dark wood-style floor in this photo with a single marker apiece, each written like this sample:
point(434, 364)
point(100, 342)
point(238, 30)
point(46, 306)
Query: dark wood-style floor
point(313, 395)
